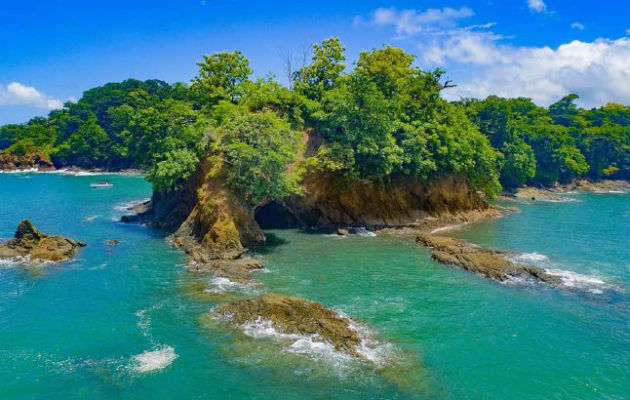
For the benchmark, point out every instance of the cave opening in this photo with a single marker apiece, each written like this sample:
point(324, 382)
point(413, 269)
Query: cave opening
point(274, 215)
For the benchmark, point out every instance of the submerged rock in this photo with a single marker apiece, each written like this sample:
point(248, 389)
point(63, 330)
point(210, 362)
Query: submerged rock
point(490, 263)
point(112, 242)
point(38, 246)
point(238, 270)
point(293, 315)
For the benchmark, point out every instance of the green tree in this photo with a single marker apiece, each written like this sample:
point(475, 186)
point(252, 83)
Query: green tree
point(173, 169)
point(257, 150)
point(324, 71)
point(220, 77)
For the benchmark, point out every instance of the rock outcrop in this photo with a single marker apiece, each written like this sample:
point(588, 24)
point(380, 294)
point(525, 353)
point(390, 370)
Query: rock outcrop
point(491, 264)
point(238, 270)
point(38, 246)
point(293, 315)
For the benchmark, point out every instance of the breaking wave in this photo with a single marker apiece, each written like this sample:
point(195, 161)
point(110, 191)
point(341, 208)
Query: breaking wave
point(363, 231)
point(530, 257)
point(569, 279)
point(224, 285)
point(579, 281)
point(126, 206)
point(12, 262)
point(315, 347)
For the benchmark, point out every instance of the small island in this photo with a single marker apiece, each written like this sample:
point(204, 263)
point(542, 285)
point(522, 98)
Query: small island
point(29, 243)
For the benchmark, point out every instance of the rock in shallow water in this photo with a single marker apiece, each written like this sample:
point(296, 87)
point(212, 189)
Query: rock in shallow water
point(492, 264)
point(38, 246)
point(238, 270)
point(293, 315)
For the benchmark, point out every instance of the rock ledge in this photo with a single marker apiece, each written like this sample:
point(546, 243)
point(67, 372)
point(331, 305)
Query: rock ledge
point(489, 263)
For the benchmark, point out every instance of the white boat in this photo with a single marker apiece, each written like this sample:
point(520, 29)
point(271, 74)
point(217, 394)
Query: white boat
point(103, 184)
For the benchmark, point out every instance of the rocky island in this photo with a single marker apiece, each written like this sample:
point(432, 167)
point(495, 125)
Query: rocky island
point(30, 243)
point(293, 315)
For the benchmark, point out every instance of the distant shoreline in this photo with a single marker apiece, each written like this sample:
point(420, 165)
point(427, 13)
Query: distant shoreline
point(73, 171)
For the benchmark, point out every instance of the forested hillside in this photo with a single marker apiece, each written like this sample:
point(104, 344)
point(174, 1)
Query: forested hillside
point(378, 119)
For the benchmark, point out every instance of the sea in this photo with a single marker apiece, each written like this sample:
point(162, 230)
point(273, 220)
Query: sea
point(129, 322)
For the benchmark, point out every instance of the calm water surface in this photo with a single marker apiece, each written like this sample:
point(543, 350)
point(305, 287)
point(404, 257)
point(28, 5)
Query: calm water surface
point(124, 322)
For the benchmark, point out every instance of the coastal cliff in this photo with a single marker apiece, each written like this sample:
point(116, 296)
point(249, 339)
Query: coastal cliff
point(211, 223)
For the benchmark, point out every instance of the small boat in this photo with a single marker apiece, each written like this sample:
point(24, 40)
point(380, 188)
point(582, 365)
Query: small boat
point(102, 184)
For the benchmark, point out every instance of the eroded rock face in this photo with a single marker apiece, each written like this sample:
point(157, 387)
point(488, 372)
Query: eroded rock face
point(30, 242)
point(329, 204)
point(492, 264)
point(293, 315)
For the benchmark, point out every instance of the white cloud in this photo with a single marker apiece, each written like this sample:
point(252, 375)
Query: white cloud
point(598, 71)
point(411, 22)
point(17, 94)
point(537, 5)
point(578, 26)
point(482, 62)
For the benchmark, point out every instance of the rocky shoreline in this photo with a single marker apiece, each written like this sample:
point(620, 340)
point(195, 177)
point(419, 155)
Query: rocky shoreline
point(558, 193)
point(51, 169)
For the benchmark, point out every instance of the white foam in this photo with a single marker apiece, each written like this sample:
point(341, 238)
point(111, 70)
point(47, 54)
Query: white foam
point(530, 257)
point(314, 346)
point(223, 285)
point(576, 280)
point(560, 200)
point(12, 262)
point(153, 360)
point(127, 205)
point(20, 171)
point(363, 231)
point(90, 218)
point(63, 171)
point(617, 191)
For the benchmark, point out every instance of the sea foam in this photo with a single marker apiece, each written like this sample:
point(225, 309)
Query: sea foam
point(223, 285)
point(576, 280)
point(315, 347)
point(153, 360)
point(363, 231)
point(530, 257)
point(128, 204)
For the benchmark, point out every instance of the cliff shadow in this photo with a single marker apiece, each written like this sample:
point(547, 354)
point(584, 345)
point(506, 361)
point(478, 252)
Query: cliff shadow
point(276, 215)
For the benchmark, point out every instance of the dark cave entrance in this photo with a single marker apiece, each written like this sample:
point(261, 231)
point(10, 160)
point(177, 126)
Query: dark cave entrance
point(274, 215)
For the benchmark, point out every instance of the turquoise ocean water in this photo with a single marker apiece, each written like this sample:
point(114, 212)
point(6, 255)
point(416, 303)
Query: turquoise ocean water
point(124, 322)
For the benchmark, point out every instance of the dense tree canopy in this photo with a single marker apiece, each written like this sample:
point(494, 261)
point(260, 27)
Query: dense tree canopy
point(383, 120)
point(567, 142)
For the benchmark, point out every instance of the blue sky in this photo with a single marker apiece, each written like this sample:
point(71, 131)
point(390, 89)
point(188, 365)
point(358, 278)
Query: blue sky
point(53, 51)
